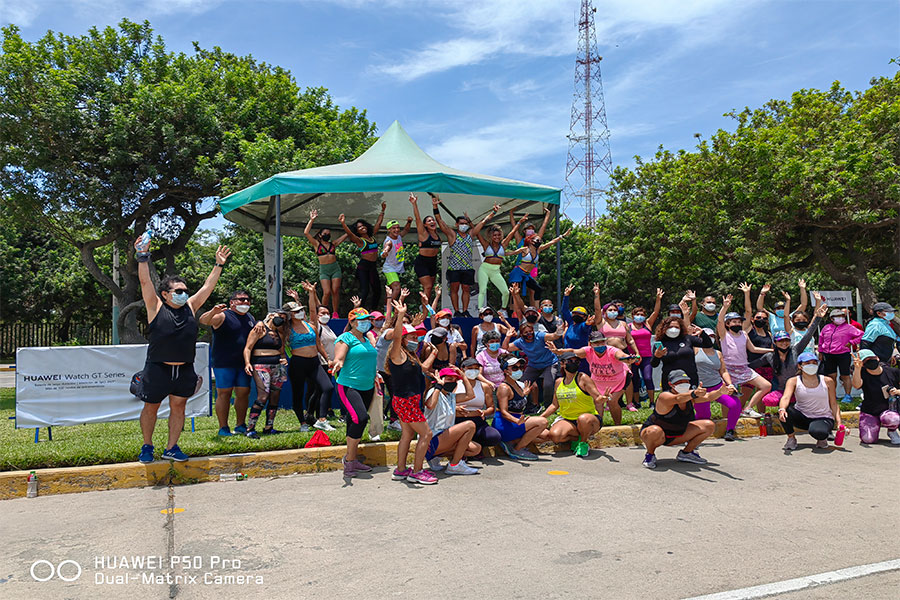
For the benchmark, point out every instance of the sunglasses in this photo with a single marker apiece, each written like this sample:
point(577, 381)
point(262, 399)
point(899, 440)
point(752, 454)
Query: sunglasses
point(178, 290)
point(241, 299)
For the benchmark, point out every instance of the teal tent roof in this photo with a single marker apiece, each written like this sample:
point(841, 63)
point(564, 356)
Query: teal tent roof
point(388, 171)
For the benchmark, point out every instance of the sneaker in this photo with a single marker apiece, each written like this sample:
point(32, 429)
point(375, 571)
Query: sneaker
point(395, 425)
point(583, 449)
point(305, 428)
point(240, 430)
point(790, 444)
point(424, 477)
point(847, 399)
point(461, 468)
point(435, 464)
point(224, 432)
point(457, 314)
point(649, 461)
point(632, 408)
point(335, 315)
point(525, 454)
point(175, 453)
point(691, 457)
point(375, 438)
point(252, 435)
point(466, 314)
point(574, 445)
point(360, 466)
point(506, 448)
point(349, 471)
point(895, 436)
point(399, 475)
point(272, 431)
point(749, 412)
point(831, 436)
point(323, 425)
point(730, 435)
point(822, 444)
point(146, 455)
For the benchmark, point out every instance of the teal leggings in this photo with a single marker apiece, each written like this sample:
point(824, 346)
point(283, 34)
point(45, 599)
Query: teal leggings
point(488, 272)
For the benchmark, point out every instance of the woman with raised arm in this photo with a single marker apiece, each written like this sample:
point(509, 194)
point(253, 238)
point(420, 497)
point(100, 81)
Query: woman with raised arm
point(487, 325)
point(264, 361)
point(517, 430)
point(329, 269)
point(460, 268)
point(529, 230)
point(835, 342)
point(776, 319)
point(426, 263)
point(712, 372)
point(522, 274)
point(394, 265)
point(732, 330)
point(363, 235)
point(493, 251)
point(641, 330)
point(305, 367)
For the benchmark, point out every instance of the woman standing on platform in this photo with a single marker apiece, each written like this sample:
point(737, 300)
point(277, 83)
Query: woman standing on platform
point(426, 263)
point(492, 255)
point(363, 235)
point(329, 269)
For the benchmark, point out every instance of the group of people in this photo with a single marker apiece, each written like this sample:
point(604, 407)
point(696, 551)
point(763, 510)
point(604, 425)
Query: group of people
point(503, 386)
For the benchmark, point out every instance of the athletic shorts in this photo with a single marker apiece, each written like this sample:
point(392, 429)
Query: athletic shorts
point(408, 409)
point(831, 363)
point(391, 277)
point(574, 422)
point(426, 266)
point(433, 446)
point(330, 271)
point(464, 276)
point(161, 380)
point(231, 378)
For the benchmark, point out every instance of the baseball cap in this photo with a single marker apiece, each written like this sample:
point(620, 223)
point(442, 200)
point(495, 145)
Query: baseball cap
point(448, 372)
point(509, 362)
point(530, 309)
point(597, 336)
point(377, 316)
point(358, 313)
point(567, 356)
point(470, 362)
point(866, 353)
point(678, 375)
point(439, 332)
point(408, 329)
point(444, 312)
point(292, 307)
point(882, 306)
point(836, 312)
point(392, 223)
point(579, 309)
point(806, 357)
point(733, 315)
point(781, 335)
point(485, 309)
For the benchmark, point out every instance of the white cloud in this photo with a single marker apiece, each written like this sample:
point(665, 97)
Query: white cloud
point(24, 12)
point(18, 12)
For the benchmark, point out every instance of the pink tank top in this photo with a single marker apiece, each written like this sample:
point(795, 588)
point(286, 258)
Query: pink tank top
point(813, 402)
point(641, 336)
point(611, 331)
point(607, 371)
point(734, 349)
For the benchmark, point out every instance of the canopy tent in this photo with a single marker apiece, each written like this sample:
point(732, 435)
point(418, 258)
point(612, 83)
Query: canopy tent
point(387, 172)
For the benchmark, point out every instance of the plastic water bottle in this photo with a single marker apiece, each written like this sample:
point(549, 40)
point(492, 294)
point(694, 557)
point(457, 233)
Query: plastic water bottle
point(32, 491)
point(145, 239)
point(839, 437)
point(763, 432)
point(768, 422)
point(232, 477)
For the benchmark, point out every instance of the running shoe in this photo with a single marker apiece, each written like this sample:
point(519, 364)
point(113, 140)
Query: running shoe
point(335, 315)
point(175, 453)
point(360, 466)
point(461, 468)
point(831, 436)
point(424, 477)
point(395, 425)
point(506, 448)
point(240, 429)
point(691, 457)
point(272, 431)
point(435, 464)
point(649, 461)
point(632, 408)
point(526, 454)
point(252, 435)
point(224, 432)
point(349, 471)
point(895, 437)
point(749, 412)
point(304, 427)
point(847, 399)
point(466, 315)
point(574, 445)
point(399, 475)
point(730, 435)
point(583, 449)
point(790, 444)
point(323, 425)
point(822, 444)
point(146, 455)
point(375, 438)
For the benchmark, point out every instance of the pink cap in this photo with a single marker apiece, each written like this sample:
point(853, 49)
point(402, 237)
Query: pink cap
point(376, 316)
point(448, 372)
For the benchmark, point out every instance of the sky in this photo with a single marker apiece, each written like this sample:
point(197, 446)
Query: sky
point(487, 86)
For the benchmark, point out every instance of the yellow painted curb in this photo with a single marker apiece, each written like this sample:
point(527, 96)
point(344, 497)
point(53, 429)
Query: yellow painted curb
point(69, 480)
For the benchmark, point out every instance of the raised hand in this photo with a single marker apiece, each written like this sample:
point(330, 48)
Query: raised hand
point(435, 201)
point(383, 206)
point(357, 301)
point(222, 254)
point(413, 198)
point(821, 311)
point(437, 291)
point(787, 297)
point(744, 287)
point(690, 295)
point(293, 294)
point(400, 307)
point(569, 289)
point(726, 301)
point(341, 218)
point(313, 214)
point(138, 246)
point(659, 292)
point(596, 289)
point(404, 292)
point(218, 309)
point(590, 321)
point(388, 291)
point(307, 286)
point(765, 289)
point(515, 289)
point(802, 283)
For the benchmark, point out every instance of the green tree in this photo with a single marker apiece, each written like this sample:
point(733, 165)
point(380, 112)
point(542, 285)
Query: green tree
point(104, 134)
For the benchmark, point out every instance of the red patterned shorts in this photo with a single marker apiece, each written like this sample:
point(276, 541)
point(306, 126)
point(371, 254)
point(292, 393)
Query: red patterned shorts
point(408, 409)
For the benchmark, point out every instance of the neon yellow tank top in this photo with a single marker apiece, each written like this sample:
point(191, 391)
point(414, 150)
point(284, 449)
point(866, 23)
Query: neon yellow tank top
point(573, 402)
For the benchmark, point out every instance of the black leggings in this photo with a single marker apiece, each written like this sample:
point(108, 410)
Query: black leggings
point(369, 284)
point(356, 403)
point(819, 428)
point(484, 433)
point(318, 397)
point(308, 371)
point(388, 395)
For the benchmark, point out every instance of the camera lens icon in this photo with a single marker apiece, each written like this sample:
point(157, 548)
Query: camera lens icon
point(40, 568)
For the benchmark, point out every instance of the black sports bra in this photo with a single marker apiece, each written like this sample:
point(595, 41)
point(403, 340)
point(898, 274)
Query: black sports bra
point(430, 242)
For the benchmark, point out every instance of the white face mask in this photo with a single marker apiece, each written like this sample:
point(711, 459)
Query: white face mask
point(323, 319)
point(471, 373)
point(443, 322)
point(682, 388)
point(242, 309)
point(673, 332)
point(487, 318)
point(300, 315)
point(839, 320)
point(810, 369)
point(463, 227)
point(710, 306)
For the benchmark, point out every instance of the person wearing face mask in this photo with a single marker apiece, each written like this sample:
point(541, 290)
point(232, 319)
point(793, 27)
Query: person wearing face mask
point(264, 360)
point(641, 330)
point(675, 311)
point(479, 407)
point(835, 341)
point(797, 326)
point(542, 363)
point(329, 268)
point(172, 332)
point(363, 235)
point(611, 324)
point(782, 309)
point(547, 321)
point(580, 408)
point(523, 276)
point(354, 369)
point(673, 421)
point(448, 437)
point(493, 252)
point(578, 326)
point(230, 327)
point(761, 338)
point(674, 348)
point(460, 268)
point(879, 336)
point(325, 336)
point(528, 230)
point(438, 342)
point(305, 367)
point(487, 325)
point(708, 316)
point(516, 429)
point(815, 410)
point(880, 385)
point(732, 330)
point(489, 357)
point(712, 372)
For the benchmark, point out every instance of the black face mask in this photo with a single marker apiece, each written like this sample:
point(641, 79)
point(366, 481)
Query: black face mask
point(760, 322)
point(278, 321)
point(325, 237)
point(578, 318)
point(871, 363)
point(437, 341)
point(448, 386)
point(735, 328)
point(531, 318)
point(801, 324)
point(571, 367)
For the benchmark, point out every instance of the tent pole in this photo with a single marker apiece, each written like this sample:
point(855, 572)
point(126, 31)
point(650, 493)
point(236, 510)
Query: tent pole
point(278, 274)
point(558, 264)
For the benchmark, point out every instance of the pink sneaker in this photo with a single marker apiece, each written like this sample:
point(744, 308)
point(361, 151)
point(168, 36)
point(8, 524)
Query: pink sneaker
point(401, 475)
point(424, 477)
point(335, 315)
point(632, 408)
point(360, 467)
point(349, 471)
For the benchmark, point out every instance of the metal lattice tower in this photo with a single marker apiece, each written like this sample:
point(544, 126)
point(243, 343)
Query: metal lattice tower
point(588, 132)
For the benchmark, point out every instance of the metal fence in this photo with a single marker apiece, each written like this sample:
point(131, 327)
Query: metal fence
point(18, 335)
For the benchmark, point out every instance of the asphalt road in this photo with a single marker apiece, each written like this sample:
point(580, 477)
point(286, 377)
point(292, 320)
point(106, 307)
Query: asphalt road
point(608, 528)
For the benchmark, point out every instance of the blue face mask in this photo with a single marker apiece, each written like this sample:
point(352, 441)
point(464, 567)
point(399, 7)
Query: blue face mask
point(621, 311)
point(888, 316)
point(494, 346)
point(639, 318)
point(364, 326)
point(779, 313)
point(547, 309)
point(179, 298)
point(599, 349)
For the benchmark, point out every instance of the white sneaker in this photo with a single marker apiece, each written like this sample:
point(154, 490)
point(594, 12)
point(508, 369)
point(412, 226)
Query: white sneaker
point(323, 426)
point(691, 457)
point(790, 444)
point(395, 425)
point(375, 438)
point(749, 412)
point(895, 437)
point(435, 464)
point(304, 427)
point(822, 444)
point(461, 468)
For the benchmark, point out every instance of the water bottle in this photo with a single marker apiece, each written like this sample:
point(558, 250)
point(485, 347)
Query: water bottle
point(763, 431)
point(145, 240)
point(232, 477)
point(768, 422)
point(642, 394)
point(839, 438)
point(32, 485)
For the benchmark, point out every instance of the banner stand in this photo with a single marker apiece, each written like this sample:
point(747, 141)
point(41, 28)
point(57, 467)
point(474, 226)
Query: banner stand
point(37, 431)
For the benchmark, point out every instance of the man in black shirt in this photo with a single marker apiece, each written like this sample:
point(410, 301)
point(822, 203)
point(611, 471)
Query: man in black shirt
point(880, 385)
point(169, 370)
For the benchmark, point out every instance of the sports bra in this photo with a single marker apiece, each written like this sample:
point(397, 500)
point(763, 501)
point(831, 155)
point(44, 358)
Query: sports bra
point(430, 242)
point(270, 341)
point(517, 403)
point(302, 340)
point(527, 259)
point(489, 252)
point(324, 250)
point(370, 246)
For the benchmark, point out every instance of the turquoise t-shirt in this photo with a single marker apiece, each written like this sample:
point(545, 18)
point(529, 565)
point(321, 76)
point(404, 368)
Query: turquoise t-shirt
point(358, 371)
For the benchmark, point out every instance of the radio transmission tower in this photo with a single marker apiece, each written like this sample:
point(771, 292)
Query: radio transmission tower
point(589, 156)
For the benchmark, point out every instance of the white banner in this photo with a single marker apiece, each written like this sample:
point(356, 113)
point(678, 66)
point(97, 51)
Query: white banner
point(71, 385)
point(834, 299)
point(273, 301)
